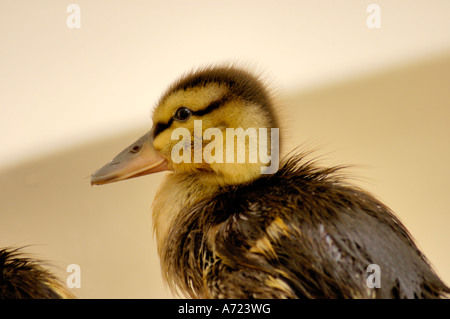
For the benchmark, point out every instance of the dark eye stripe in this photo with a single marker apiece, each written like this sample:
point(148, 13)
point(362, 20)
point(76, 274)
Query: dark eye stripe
point(213, 105)
point(160, 127)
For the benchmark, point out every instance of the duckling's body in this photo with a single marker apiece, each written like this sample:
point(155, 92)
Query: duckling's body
point(300, 233)
point(225, 230)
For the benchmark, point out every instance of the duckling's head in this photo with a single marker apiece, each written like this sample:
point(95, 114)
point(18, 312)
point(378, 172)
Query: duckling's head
point(218, 123)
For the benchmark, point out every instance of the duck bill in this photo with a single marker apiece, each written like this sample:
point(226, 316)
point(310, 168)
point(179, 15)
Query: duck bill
point(138, 159)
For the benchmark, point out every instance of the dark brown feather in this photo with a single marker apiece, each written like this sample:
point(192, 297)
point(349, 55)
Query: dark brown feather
point(25, 278)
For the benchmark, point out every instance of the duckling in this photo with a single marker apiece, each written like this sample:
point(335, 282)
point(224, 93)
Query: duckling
point(228, 229)
point(26, 278)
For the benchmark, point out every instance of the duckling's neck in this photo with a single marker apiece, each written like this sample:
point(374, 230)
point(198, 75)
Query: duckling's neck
point(177, 192)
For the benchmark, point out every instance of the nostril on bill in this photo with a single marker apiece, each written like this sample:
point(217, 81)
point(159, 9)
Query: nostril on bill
point(135, 149)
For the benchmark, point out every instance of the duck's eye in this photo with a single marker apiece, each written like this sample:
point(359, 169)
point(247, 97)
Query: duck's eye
point(182, 114)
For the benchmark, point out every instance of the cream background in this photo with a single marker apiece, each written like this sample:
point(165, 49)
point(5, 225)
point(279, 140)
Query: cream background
point(70, 99)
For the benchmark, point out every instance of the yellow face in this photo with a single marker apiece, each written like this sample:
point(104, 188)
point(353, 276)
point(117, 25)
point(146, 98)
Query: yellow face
point(213, 109)
point(214, 123)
